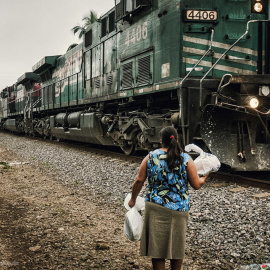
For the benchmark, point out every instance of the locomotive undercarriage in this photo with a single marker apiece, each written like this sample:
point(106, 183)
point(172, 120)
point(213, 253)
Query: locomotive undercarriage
point(131, 124)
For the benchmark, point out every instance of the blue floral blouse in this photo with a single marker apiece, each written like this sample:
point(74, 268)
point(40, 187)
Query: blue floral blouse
point(165, 187)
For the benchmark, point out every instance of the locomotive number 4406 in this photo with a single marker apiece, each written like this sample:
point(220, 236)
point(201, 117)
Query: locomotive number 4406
point(136, 34)
point(201, 15)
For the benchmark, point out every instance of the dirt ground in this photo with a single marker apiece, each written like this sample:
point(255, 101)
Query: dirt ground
point(47, 225)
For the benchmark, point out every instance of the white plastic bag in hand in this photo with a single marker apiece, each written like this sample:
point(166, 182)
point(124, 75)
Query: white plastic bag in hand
point(205, 162)
point(133, 220)
point(140, 203)
point(133, 224)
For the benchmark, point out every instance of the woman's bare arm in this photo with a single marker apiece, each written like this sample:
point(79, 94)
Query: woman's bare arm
point(138, 183)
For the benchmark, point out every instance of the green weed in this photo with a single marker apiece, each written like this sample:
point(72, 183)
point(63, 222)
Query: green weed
point(5, 165)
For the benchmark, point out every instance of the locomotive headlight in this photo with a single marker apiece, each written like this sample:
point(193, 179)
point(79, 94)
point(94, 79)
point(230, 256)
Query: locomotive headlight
point(258, 7)
point(253, 102)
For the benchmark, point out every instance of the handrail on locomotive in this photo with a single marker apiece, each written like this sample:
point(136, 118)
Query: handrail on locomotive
point(224, 53)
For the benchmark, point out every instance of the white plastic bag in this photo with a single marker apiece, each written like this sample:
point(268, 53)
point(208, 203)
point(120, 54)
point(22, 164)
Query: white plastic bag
point(140, 203)
point(133, 220)
point(133, 224)
point(205, 162)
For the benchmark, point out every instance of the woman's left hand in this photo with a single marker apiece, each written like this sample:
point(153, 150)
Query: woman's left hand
point(131, 203)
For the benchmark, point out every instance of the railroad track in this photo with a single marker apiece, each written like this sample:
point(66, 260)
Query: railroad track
point(115, 153)
point(99, 150)
point(242, 180)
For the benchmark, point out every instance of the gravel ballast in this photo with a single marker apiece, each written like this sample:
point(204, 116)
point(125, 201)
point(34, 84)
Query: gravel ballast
point(227, 229)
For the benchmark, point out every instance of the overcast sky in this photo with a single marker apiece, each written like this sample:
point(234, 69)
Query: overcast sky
point(32, 29)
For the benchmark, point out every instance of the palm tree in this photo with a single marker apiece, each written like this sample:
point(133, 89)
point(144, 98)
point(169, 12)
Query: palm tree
point(87, 22)
point(80, 29)
point(91, 19)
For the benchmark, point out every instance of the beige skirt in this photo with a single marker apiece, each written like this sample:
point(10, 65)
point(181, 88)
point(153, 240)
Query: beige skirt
point(164, 232)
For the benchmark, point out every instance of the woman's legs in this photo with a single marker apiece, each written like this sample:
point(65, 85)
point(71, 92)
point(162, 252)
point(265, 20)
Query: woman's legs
point(158, 264)
point(176, 264)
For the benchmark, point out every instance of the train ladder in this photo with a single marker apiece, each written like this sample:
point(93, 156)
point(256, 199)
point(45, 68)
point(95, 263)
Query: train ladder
point(185, 126)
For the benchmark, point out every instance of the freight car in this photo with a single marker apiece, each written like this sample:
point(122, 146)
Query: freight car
point(201, 66)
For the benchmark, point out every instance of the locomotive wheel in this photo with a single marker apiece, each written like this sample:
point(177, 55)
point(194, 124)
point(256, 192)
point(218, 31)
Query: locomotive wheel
point(128, 149)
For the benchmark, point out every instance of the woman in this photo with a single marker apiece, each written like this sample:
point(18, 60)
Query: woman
point(168, 170)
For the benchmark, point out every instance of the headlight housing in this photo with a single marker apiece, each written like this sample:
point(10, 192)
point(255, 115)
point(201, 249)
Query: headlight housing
point(257, 6)
point(252, 102)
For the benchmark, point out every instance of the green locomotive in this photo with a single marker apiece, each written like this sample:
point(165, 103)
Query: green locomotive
point(202, 66)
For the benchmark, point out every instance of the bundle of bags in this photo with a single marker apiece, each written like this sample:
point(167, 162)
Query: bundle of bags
point(205, 162)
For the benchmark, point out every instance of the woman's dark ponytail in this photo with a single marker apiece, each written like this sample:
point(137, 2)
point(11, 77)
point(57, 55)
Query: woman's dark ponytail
point(169, 138)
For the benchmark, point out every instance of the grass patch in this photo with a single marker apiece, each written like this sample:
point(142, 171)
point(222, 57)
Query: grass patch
point(4, 165)
point(47, 163)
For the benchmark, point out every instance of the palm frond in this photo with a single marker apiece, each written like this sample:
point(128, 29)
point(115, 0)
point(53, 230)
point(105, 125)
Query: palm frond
point(76, 29)
point(72, 46)
point(88, 20)
point(81, 34)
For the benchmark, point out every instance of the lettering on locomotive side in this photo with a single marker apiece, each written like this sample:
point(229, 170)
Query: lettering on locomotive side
point(72, 66)
point(37, 85)
point(201, 15)
point(136, 34)
point(21, 93)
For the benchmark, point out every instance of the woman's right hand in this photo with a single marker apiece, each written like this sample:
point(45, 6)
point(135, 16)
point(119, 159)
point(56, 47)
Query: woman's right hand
point(131, 203)
point(204, 177)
